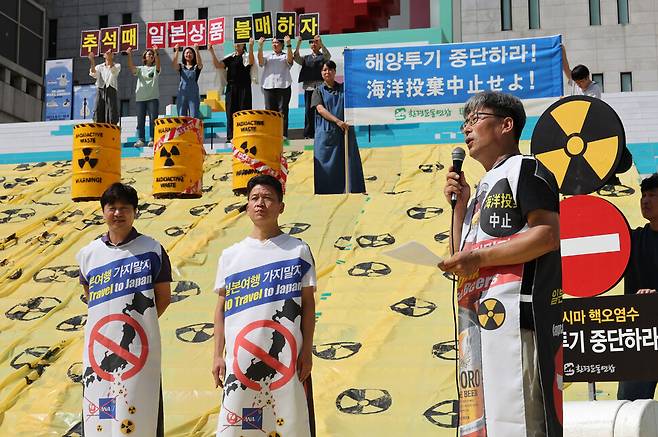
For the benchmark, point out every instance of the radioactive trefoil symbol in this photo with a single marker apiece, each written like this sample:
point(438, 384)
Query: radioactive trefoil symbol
point(246, 149)
point(86, 151)
point(169, 162)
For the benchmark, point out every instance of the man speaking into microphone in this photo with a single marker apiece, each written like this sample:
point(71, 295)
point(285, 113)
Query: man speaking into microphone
point(506, 243)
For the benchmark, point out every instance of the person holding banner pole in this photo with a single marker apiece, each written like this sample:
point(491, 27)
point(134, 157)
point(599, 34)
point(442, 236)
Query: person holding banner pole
point(311, 75)
point(336, 159)
point(188, 100)
point(641, 276)
point(106, 75)
point(147, 92)
point(506, 245)
point(276, 80)
point(238, 81)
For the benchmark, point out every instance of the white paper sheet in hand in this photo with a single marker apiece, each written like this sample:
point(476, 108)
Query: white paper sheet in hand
point(415, 253)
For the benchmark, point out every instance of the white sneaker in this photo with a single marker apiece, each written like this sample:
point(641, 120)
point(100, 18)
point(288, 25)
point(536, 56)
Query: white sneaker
point(150, 144)
point(139, 143)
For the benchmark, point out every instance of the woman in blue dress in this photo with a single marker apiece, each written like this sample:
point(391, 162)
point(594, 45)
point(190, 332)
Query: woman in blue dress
point(329, 144)
point(187, 101)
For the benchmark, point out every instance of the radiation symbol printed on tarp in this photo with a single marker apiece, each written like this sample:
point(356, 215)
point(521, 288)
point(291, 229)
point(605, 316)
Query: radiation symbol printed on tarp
point(19, 182)
point(491, 314)
point(612, 190)
point(424, 213)
point(74, 323)
point(413, 307)
point(370, 269)
point(150, 210)
point(343, 243)
point(16, 215)
point(294, 228)
point(442, 237)
point(128, 181)
point(177, 231)
point(28, 356)
point(87, 160)
point(6, 198)
point(431, 168)
point(375, 240)
point(284, 369)
point(293, 155)
point(580, 139)
point(28, 167)
point(183, 290)
point(139, 169)
point(168, 155)
point(445, 350)
point(338, 350)
point(61, 164)
point(444, 414)
point(57, 173)
point(201, 210)
point(56, 274)
point(364, 401)
point(66, 216)
point(195, 333)
point(134, 360)
point(74, 372)
point(95, 220)
point(240, 206)
point(34, 308)
point(45, 238)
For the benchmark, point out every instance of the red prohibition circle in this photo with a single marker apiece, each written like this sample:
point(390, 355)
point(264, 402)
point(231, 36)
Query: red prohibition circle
point(96, 337)
point(241, 341)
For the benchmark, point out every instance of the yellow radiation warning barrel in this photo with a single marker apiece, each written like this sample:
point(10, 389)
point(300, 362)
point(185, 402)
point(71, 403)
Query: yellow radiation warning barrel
point(178, 156)
point(257, 145)
point(96, 160)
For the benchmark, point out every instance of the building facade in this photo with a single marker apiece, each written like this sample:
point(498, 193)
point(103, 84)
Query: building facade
point(616, 39)
point(22, 31)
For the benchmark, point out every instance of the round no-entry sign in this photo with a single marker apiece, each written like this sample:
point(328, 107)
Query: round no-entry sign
point(595, 245)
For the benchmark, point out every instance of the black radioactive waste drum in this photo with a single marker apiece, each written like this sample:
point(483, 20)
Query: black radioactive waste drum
point(581, 140)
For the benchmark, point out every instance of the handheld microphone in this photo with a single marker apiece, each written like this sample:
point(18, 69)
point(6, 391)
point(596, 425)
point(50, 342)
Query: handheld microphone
point(458, 155)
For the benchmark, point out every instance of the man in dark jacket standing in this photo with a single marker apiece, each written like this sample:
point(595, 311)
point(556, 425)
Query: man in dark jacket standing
point(310, 76)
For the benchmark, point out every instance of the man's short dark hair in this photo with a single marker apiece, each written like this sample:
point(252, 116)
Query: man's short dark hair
point(118, 192)
point(650, 183)
point(505, 105)
point(579, 72)
point(266, 180)
point(331, 65)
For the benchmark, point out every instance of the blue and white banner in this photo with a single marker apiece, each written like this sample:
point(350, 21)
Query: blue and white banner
point(84, 99)
point(430, 83)
point(59, 89)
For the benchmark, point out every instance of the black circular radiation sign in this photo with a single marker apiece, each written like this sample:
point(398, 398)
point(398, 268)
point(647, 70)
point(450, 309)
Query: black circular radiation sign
point(582, 139)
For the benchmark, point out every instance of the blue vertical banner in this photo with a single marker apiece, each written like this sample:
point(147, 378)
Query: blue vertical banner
point(430, 83)
point(84, 99)
point(59, 89)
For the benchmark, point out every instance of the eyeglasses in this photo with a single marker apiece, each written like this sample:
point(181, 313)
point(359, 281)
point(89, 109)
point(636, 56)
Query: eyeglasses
point(475, 117)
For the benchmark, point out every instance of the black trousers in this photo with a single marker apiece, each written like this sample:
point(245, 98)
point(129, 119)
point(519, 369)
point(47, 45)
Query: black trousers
point(278, 99)
point(238, 98)
point(309, 115)
point(107, 106)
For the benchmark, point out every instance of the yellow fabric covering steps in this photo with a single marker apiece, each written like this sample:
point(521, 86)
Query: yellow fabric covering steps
point(214, 100)
point(384, 356)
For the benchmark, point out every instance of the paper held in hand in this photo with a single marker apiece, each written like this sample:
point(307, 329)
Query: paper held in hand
point(415, 253)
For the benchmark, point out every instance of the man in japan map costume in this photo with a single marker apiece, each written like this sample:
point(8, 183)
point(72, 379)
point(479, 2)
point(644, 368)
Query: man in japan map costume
point(264, 321)
point(507, 259)
point(126, 277)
